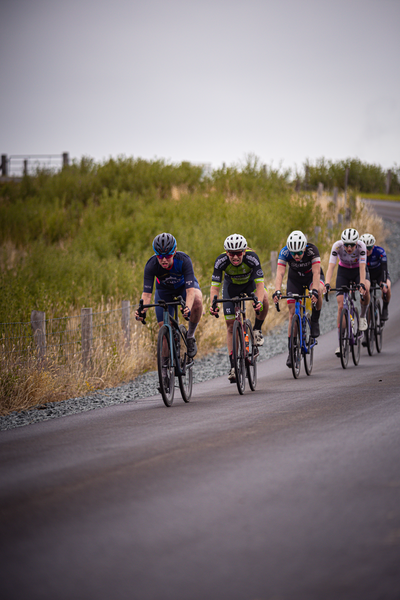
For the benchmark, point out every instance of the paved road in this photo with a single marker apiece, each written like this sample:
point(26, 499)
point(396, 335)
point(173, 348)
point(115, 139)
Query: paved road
point(289, 492)
point(385, 209)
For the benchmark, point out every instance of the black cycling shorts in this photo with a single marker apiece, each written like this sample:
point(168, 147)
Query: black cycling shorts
point(345, 276)
point(297, 285)
point(230, 290)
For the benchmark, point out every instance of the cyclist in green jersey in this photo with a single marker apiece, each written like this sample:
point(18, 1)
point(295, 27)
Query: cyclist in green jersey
point(240, 269)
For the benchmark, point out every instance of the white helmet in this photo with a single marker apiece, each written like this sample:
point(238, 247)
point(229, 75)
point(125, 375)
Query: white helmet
point(296, 241)
point(368, 239)
point(235, 242)
point(350, 236)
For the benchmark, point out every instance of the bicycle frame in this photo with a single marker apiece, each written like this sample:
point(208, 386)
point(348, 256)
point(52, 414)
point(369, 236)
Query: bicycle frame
point(244, 326)
point(307, 343)
point(352, 317)
point(172, 325)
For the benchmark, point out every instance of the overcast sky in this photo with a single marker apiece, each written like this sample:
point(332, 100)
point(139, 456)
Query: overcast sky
point(208, 81)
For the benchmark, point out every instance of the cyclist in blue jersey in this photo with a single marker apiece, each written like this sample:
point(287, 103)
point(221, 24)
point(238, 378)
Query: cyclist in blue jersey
point(173, 271)
point(305, 269)
point(378, 270)
point(241, 270)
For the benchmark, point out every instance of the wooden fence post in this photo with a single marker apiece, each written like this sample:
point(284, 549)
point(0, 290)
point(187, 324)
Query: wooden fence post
point(335, 194)
point(65, 159)
point(340, 219)
point(320, 189)
point(38, 324)
point(4, 165)
point(125, 322)
point(317, 231)
point(329, 224)
point(388, 181)
point(274, 260)
point(87, 334)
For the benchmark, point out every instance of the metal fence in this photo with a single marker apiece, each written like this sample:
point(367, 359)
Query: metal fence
point(18, 165)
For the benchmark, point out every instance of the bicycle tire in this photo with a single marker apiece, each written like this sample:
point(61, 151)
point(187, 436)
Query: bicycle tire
point(344, 338)
point(295, 346)
point(356, 347)
point(370, 333)
point(378, 327)
point(185, 381)
point(251, 356)
point(165, 364)
point(308, 351)
point(238, 357)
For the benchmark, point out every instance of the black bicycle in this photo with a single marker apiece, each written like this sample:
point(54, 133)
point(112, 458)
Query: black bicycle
point(301, 341)
point(349, 331)
point(172, 356)
point(374, 333)
point(245, 350)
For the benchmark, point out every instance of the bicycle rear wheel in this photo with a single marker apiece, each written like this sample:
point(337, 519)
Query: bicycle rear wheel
point(238, 357)
point(344, 338)
point(251, 356)
point(378, 326)
point(165, 364)
point(356, 347)
point(370, 333)
point(308, 353)
point(295, 346)
point(186, 364)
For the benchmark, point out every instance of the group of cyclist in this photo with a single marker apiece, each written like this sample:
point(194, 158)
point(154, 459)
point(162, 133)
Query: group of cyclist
point(238, 270)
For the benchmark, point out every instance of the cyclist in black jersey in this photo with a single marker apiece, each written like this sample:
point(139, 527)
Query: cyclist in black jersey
point(173, 271)
point(304, 270)
point(240, 269)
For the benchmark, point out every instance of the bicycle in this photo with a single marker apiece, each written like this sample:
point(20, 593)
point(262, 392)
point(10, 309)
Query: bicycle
point(349, 330)
point(172, 358)
point(245, 351)
point(374, 331)
point(301, 341)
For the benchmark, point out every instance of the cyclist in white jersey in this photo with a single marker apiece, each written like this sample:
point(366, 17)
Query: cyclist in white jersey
point(352, 255)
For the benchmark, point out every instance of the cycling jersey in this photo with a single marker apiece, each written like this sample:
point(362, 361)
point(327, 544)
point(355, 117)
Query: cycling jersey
point(377, 264)
point(349, 261)
point(249, 269)
point(180, 274)
point(303, 267)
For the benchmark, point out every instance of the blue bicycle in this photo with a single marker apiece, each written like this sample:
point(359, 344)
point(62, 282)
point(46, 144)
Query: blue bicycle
point(301, 341)
point(172, 356)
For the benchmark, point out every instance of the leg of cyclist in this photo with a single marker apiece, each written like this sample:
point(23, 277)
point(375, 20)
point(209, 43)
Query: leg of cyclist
point(343, 277)
point(318, 285)
point(230, 291)
point(262, 296)
point(386, 295)
point(194, 301)
point(364, 278)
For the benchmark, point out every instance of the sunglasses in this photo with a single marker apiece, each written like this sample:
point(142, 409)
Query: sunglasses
point(369, 247)
point(161, 256)
point(238, 253)
point(297, 253)
point(349, 245)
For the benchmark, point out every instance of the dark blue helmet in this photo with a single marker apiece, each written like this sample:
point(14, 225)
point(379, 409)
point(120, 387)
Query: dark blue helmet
point(165, 243)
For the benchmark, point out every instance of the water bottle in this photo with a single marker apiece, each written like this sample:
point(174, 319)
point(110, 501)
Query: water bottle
point(353, 325)
point(246, 341)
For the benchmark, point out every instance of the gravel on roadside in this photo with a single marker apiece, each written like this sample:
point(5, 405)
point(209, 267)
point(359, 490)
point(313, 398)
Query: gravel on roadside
point(212, 365)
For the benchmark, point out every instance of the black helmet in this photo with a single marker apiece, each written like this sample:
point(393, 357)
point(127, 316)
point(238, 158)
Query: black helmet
point(165, 243)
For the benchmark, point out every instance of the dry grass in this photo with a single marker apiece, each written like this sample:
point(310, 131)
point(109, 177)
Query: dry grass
point(26, 382)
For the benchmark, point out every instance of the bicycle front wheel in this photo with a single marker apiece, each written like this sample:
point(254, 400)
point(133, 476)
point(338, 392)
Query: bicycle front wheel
point(165, 364)
point(356, 346)
point(251, 356)
point(308, 349)
point(344, 338)
point(238, 357)
point(295, 346)
point(370, 333)
point(186, 365)
point(378, 326)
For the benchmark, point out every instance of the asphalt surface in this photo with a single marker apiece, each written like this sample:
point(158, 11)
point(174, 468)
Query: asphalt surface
point(288, 492)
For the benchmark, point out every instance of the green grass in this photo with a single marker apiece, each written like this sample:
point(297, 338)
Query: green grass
point(377, 196)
